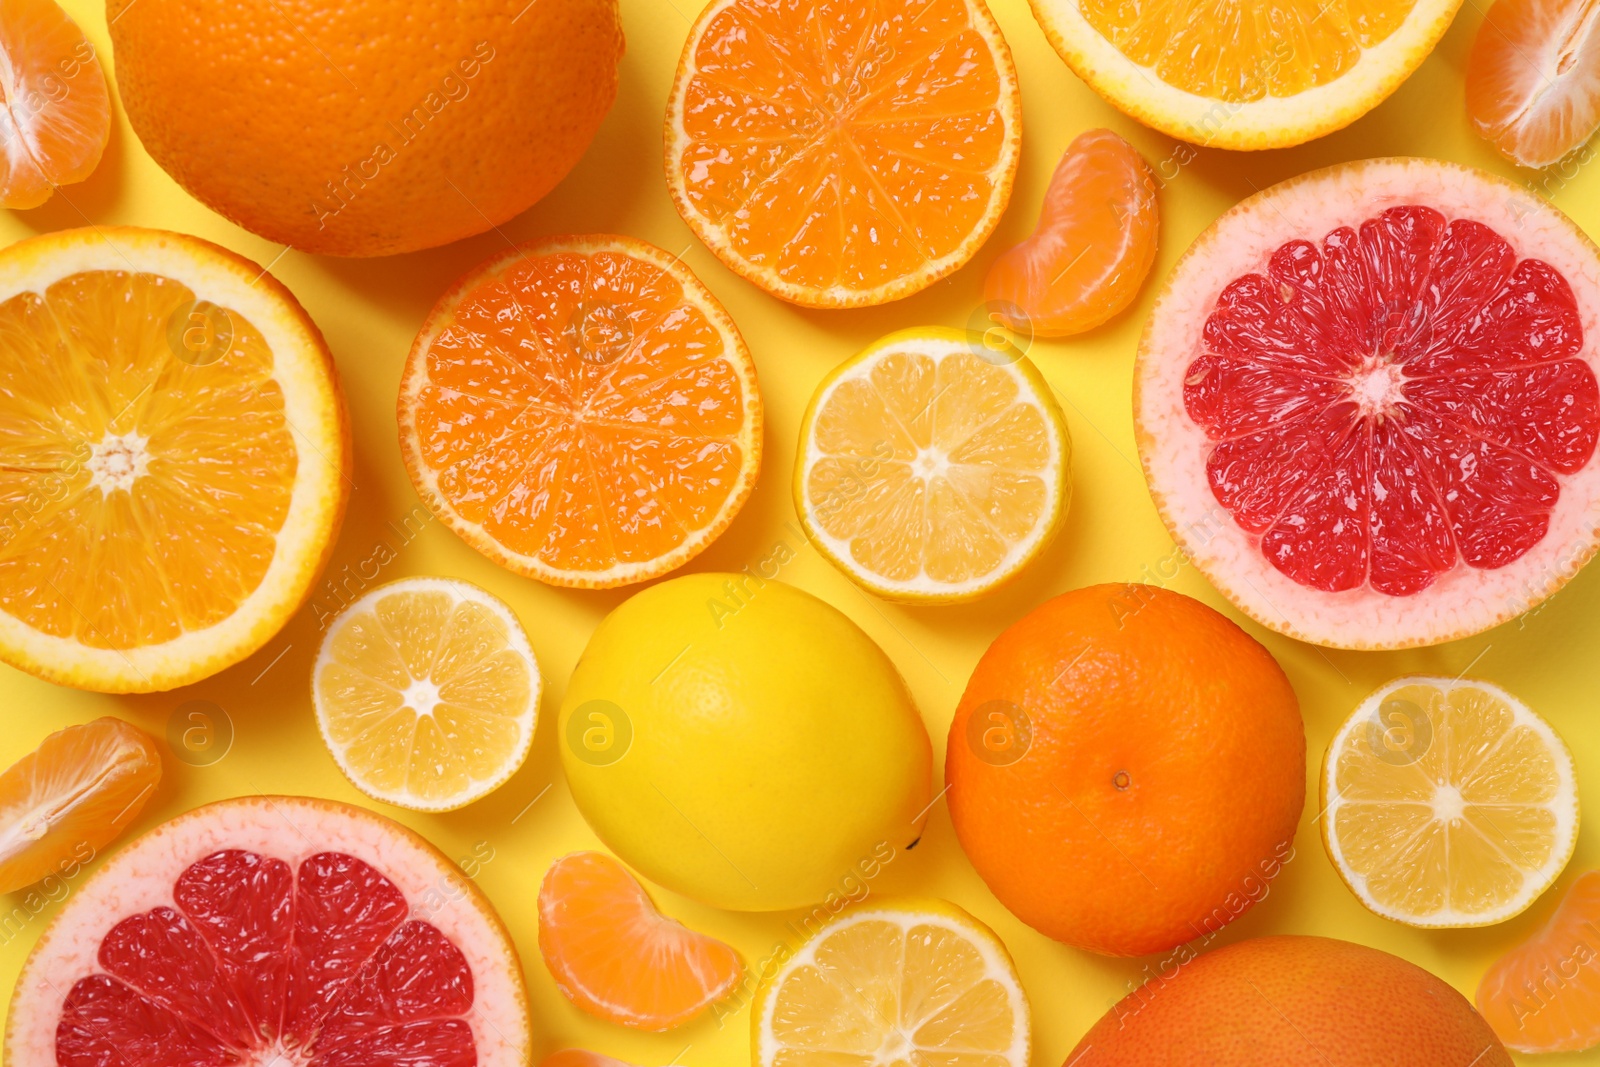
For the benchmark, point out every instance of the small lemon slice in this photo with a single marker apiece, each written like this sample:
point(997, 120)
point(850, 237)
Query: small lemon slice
point(908, 982)
point(1448, 803)
point(932, 467)
point(427, 693)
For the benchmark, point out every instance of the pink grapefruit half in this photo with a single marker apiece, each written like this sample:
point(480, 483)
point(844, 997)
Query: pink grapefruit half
point(273, 930)
point(1366, 403)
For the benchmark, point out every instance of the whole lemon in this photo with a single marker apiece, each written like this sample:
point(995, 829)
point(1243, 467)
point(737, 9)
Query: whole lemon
point(743, 743)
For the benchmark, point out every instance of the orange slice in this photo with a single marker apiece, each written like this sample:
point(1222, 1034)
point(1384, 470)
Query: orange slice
point(843, 155)
point(70, 797)
point(1092, 248)
point(1544, 995)
point(582, 411)
point(55, 111)
point(1533, 78)
point(175, 455)
point(613, 955)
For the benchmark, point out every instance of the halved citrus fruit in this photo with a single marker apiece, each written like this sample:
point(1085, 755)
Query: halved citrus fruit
point(843, 155)
point(932, 467)
point(1448, 803)
point(427, 693)
point(1240, 74)
point(1367, 405)
point(582, 411)
point(1544, 995)
point(911, 982)
point(616, 957)
point(72, 796)
point(176, 457)
point(1092, 248)
point(273, 930)
point(1533, 78)
point(55, 110)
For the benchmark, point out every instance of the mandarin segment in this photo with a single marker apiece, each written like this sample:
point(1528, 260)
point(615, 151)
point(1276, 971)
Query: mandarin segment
point(57, 114)
point(1542, 994)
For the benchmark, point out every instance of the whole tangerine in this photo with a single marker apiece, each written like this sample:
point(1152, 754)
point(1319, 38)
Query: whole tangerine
point(1126, 769)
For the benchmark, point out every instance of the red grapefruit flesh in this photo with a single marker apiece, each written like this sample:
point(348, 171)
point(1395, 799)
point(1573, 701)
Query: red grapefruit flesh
point(1367, 404)
point(273, 930)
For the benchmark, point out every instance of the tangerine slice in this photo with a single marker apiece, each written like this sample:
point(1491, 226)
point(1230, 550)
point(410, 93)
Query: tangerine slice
point(839, 155)
point(55, 110)
point(1544, 995)
point(1092, 247)
point(1533, 78)
point(615, 956)
point(582, 411)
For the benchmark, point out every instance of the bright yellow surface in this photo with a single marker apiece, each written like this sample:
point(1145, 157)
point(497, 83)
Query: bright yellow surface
point(370, 311)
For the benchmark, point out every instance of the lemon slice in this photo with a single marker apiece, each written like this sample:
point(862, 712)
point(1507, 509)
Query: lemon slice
point(1448, 803)
point(427, 693)
point(932, 467)
point(908, 983)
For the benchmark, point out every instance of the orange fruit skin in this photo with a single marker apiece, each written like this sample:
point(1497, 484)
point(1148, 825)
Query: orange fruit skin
point(366, 128)
point(1164, 778)
point(1542, 995)
point(1292, 1000)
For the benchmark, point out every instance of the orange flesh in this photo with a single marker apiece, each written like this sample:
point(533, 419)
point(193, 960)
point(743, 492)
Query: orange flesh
point(141, 494)
point(55, 111)
point(1544, 995)
point(581, 410)
point(845, 145)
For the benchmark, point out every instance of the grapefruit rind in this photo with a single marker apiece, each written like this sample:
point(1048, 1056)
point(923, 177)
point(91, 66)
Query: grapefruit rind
point(1536, 882)
point(426, 480)
point(141, 877)
point(313, 407)
point(1462, 601)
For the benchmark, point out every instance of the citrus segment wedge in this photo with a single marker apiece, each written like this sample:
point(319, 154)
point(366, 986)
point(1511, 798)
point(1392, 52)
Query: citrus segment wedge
point(1448, 803)
point(932, 467)
point(55, 110)
point(839, 155)
point(1544, 995)
point(582, 411)
point(1533, 78)
point(427, 693)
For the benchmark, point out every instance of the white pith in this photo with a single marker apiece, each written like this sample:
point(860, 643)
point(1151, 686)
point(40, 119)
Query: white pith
point(1448, 804)
point(1174, 450)
point(931, 462)
point(422, 695)
point(117, 460)
point(141, 877)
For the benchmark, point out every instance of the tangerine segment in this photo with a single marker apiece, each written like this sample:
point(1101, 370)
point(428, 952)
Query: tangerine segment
point(839, 154)
point(616, 957)
point(1533, 78)
point(1448, 803)
point(70, 797)
point(175, 452)
point(1092, 248)
point(55, 110)
point(582, 411)
point(1544, 995)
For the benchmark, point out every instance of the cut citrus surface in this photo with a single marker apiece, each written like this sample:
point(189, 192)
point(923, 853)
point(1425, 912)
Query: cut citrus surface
point(583, 411)
point(70, 797)
point(1367, 407)
point(913, 982)
point(1240, 74)
point(1533, 78)
point(931, 467)
point(1092, 248)
point(55, 110)
point(273, 930)
point(1448, 803)
point(839, 155)
point(427, 693)
point(176, 451)
point(1544, 995)
point(616, 957)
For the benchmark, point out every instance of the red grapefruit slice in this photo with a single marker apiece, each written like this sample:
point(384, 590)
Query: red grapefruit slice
point(1367, 406)
point(273, 930)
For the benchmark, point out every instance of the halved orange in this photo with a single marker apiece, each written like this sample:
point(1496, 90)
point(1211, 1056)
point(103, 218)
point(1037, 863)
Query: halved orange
point(174, 449)
point(55, 111)
point(843, 155)
point(583, 411)
point(616, 957)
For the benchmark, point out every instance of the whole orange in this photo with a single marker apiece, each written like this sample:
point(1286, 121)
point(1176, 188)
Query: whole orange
point(1292, 1000)
point(1126, 769)
point(366, 127)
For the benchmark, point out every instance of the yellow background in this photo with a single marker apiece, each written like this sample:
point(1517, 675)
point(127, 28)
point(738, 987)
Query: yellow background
point(370, 310)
